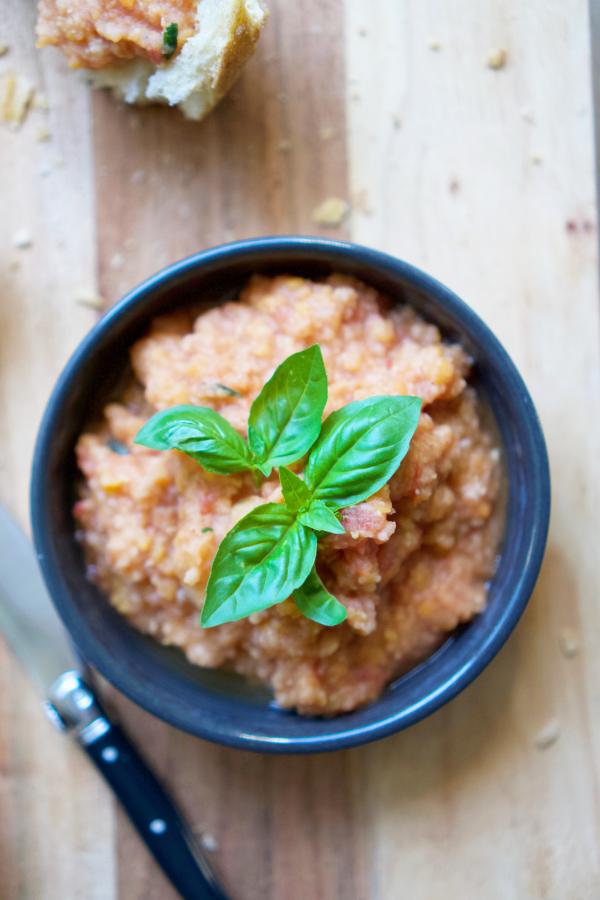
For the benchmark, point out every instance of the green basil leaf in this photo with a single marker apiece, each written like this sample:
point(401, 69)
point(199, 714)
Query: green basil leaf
point(201, 433)
point(295, 492)
point(262, 560)
point(285, 418)
point(360, 447)
point(315, 602)
point(319, 517)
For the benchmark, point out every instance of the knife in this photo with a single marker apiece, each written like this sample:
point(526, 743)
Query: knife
point(34, 632)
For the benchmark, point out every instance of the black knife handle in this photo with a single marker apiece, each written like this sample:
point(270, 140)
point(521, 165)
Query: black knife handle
point(154, 815)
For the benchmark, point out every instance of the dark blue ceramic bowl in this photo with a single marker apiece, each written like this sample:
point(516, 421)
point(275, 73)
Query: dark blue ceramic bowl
point(223, 707)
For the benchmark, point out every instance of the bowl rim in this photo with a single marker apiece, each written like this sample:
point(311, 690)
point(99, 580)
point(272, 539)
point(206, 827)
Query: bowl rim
point(538, 497)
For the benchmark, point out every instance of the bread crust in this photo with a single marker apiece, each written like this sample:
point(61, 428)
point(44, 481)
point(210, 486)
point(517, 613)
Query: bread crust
point(242, 42)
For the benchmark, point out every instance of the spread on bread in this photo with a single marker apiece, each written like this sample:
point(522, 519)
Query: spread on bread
point(185, 53)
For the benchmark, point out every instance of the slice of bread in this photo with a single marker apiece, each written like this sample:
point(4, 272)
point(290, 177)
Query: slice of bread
point(204, 69)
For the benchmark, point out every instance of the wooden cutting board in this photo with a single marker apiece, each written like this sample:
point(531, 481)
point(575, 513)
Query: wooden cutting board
point(485, 178)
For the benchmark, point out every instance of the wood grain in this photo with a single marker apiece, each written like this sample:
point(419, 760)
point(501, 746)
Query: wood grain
point(488, 182)
point(56, 818)
point(166, 187)
point(486, 179)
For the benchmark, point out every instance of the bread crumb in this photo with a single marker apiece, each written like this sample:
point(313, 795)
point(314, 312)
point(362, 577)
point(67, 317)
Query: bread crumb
point(40, 101)
point(434, 45)
point(331, 212)
point(15, 96)
point(4, 48)
point(117, 261)
point(22, 239)
point(209, 842)
point(284, 146)
point(326, 133)
point(91, 300)
point(547, 735)
point(360, 202)
point(536, 159)
point(454, 186)
point(497, 58)
point(568, 642)
point(42, 134)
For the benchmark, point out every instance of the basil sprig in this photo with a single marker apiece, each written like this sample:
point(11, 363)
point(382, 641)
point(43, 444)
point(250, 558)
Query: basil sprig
point(270, 553)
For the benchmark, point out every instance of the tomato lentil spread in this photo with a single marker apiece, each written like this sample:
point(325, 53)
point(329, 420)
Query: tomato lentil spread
point(99, 33)
point(415, 558)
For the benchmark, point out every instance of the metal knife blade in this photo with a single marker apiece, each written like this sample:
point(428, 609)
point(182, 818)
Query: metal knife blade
point(27, 617)
point(35, 633)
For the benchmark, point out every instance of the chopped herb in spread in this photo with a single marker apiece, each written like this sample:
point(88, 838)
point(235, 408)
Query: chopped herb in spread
point(216, 389)
point(170, 35)
point(230, 392)
point(117, 447)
